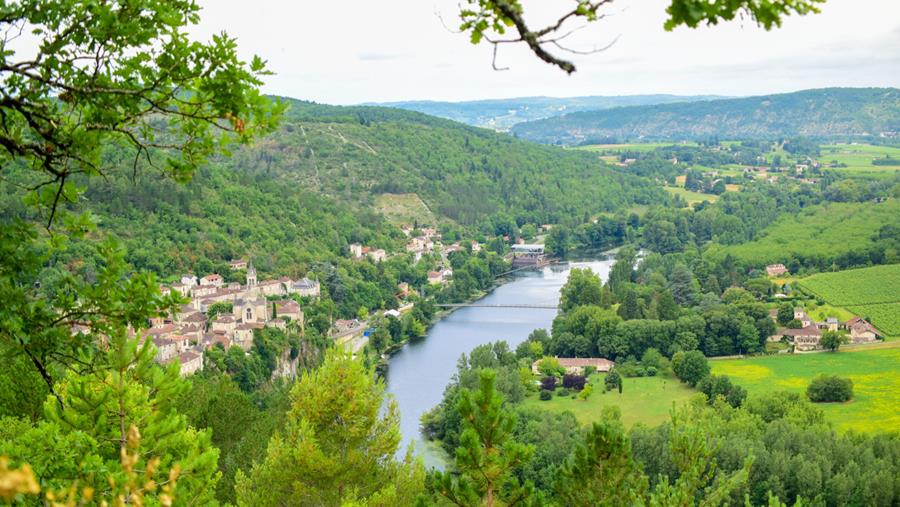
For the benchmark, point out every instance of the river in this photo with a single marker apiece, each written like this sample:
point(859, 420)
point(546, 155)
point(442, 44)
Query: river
point(418, 373)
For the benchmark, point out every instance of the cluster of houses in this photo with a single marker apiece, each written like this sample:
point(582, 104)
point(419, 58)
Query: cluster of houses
point(189, 332)
point(808, 337)
point(358, 251)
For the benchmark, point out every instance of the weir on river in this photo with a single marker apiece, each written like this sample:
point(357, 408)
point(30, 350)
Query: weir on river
point(419, 372)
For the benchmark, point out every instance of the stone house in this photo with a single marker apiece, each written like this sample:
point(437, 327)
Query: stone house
point(861, 331)
point(165, 349)
point(224, 322)
point(776, 269)
point(356, 250)
point(237, 264)
point(377, 255)
point(805, 339)
point(435, 277)
point(243, 334)
point(290, 309)
point(191, 362)
point(801, 315)
point(576, 365)
point(214, 279)
point(305, 288)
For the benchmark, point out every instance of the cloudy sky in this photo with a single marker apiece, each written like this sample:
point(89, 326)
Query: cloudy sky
point(347, 52)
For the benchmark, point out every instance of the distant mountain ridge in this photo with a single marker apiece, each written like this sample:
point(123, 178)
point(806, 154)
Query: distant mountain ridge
point(819, 113)
point(502, 114)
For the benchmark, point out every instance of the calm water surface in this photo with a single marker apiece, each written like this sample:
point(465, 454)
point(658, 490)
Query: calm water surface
point(418, 373)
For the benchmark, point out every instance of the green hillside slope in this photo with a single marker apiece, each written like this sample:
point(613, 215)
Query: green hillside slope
point(301, 195)
point(829, 112)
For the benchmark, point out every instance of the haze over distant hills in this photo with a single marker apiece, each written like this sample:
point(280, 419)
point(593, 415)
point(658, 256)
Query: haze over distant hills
point(822, 113)
point(502, 114)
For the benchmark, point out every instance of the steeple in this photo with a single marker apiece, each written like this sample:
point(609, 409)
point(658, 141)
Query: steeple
point(251, 276)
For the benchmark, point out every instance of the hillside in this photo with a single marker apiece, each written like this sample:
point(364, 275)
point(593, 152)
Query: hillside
point(502, 114)
point(824, 113)
point(819, 234)
point(300, 195)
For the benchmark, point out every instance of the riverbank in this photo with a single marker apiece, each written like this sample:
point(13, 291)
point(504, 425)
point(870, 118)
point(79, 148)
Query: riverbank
point(418, 372)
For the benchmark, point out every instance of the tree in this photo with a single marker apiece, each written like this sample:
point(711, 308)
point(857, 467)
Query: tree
point(489, 20)
point(487, 454)
point(785, 313)
point(148, 87)
point(630, 307)
point(557, 242)
point(550, 367)
point(97, 419)
point(690, 367)
point(666, 306)
point(832, 340)
point(601, 470)
point(714, 386)
point(613, 380)
point(315, 461)
point(827, 388)
point(583, 287)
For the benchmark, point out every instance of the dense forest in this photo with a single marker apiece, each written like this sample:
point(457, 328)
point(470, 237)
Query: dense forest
point(501, 114)
point(826, 113)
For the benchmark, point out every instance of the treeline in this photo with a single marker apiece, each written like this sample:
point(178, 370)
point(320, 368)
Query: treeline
point(775, 449)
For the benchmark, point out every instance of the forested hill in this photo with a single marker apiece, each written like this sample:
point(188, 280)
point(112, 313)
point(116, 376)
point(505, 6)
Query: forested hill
point(824, 113)
point(302, 194)
point(502, 114)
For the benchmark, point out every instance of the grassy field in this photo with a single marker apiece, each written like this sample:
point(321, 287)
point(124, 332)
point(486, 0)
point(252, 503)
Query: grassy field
point(646, 400)
point(692, 197)
point(639, 147)
point(402, 209)
point(871, 292)
point(859, 156)
point(827, 230)
point(875, 374)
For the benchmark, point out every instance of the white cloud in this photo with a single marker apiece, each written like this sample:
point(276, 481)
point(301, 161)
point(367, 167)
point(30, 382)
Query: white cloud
point(351, 52)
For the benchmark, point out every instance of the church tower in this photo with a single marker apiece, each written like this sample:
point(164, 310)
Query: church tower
point(251, 276)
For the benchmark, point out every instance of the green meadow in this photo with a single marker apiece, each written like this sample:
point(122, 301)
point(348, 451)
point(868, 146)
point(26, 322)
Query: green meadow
point(646, 400)
point(875, 373)
point(638, 147)
point(690, 196)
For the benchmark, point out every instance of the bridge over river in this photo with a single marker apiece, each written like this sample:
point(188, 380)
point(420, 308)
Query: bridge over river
point(509, 305)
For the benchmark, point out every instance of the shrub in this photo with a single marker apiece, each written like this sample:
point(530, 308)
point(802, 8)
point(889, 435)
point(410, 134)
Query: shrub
point(573, 381)
point(548, 383)
point(651, 371)
point(562, 392)
point(586, 392)
point(589, 370)
point(825, 388)
point(545, 395)
point(714, 386)
point(612, 380)
point(690, 367)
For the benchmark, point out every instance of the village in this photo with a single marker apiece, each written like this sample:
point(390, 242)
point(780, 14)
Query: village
point(257, 304)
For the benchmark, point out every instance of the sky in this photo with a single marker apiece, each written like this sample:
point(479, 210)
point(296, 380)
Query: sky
point(350, 52)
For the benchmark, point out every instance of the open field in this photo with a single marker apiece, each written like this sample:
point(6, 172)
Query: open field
point(639, 147)
point(826, 230)
point(402, 209)
point(875, 375)
point(859, 156)
point(692, 197)
point(646, 400)
point(870, 292)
